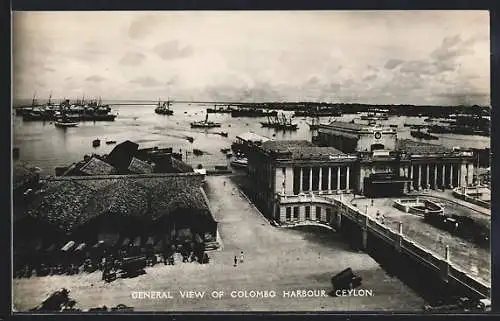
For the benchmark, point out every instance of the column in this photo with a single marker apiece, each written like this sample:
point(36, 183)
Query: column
point(329, 179)
point(302, 213)
point(463, 174)
point(338, 178)
point(320, 183)
point(427, 179)
point(435, 175)
point(419, 177)
point(347, 179)
point(443, 176)
point(405, 174)
point(411, 177)
point(282, 213)
point(310, 179)
point(451, 175)
point(470, 173)
point(301, 179)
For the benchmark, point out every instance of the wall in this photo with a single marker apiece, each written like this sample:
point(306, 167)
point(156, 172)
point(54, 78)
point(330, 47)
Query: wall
point(367, 140)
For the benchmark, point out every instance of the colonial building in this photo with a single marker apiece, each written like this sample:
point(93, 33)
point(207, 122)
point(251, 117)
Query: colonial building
point(348, 158)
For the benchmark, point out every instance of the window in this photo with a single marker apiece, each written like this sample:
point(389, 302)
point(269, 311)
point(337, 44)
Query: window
point(318, 213)
point(296, 213)
point(328, 215)
point(288, 216)
point(308, 212)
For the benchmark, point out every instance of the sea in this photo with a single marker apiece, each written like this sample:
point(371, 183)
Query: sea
point(43, 145)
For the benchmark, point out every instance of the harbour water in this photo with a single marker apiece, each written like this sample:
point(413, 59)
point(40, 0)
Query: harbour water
point(43, 145)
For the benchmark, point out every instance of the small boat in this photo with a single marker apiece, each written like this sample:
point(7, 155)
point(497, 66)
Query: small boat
point(223, 134)
point(190, 139)
point(197, 152)
point(110, 142)
point(96, 142)
point(204, 123)
point(225, 150)
point(65, 123)
point(240, 163)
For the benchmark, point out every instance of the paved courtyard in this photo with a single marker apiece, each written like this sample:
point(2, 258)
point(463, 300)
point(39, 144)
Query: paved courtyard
point(275, 259)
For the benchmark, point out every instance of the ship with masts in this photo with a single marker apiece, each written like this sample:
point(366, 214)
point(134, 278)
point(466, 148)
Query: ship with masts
point(164, 108)
point(280, 123)
point(252, 112)
point(219, 110)
point(81, 110)
point(318, 112)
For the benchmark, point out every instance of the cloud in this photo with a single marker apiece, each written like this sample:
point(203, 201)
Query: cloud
point(393, 63)
point(172, 50)
point(370, 77)
point(146, 81)
point(95, 78)
point(142, 26)
point(132, 58)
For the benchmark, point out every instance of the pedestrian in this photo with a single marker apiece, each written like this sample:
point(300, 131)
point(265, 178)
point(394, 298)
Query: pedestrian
point(224, 183)
point(235, 260)
point(372, 202)
point(241, 257)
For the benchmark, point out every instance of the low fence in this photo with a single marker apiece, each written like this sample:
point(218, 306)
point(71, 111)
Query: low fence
point(432, 260)
point(459, 193)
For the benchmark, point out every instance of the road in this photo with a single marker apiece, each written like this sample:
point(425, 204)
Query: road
point(275, 259)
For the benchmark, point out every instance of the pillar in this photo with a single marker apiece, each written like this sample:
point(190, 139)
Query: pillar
point(435, 175)
point(301, 179)
point(302, 213)
point(320, 180)
point(338, 178)
point(443, 175)
point(347, 179)
point(470, 173)
point(419, 186)
point(282, 213)
point(310, 179)
point(399, 239)
point(405, 174)
point(427, 178)
point(411, 177)
point(289, 181)
point(364, 233)
point(329, 179)
point(339, 220)
point(451, 175)
point(445, 268)
point(463, 174)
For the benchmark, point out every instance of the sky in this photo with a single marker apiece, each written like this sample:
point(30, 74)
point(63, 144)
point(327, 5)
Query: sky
point(379, 57)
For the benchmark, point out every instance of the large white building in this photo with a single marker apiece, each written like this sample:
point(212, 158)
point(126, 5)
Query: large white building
point(348, 158)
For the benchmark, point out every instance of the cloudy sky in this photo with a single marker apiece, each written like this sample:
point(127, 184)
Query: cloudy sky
point(424, 57)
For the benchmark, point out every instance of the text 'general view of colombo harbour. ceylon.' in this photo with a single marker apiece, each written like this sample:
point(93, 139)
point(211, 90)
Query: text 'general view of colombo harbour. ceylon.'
point(251, 161)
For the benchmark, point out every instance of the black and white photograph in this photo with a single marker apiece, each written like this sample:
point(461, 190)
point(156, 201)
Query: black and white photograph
point(247, 161)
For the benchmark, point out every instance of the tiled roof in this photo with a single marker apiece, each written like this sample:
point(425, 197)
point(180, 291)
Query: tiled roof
point(138, 166)
point(21, 175)
point(69, 202)
point(413, 147)
point(180, 166)
point(96, 166)
point(62, 206)
point(300, 149)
